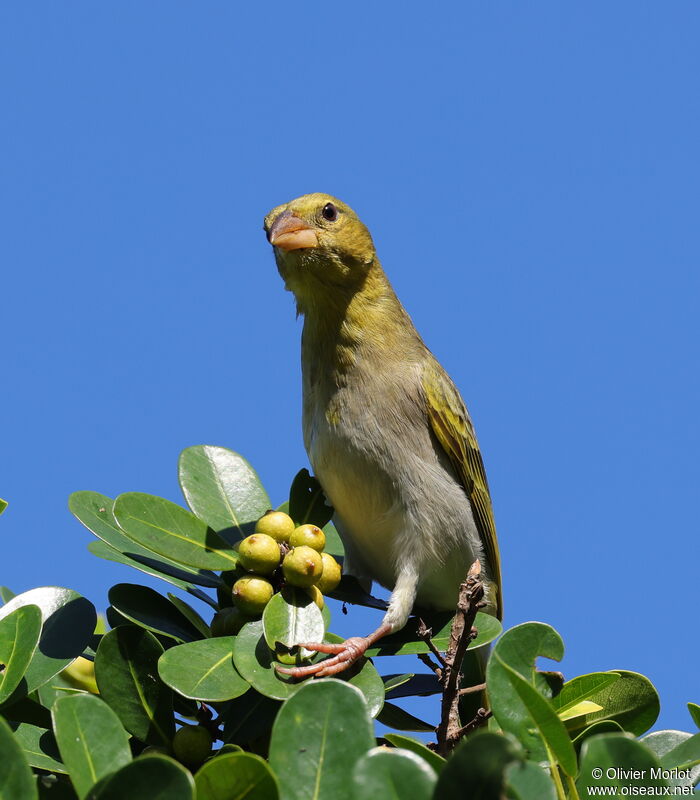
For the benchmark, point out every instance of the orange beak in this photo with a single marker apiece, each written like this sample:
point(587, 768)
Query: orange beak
point(291, 233)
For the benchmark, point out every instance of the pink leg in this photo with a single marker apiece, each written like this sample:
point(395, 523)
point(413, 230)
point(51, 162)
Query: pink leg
point(344, 655)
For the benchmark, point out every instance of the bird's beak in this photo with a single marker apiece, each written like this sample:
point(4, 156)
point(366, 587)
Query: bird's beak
point(291, 233)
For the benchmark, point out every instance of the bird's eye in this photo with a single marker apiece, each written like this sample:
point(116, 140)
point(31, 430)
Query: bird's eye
point(330, 212)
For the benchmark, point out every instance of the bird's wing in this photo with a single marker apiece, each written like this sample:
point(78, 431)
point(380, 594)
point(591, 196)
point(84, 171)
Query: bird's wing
point(454, 430)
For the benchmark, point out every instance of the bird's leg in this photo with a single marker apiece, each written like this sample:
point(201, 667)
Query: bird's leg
point(349, 651)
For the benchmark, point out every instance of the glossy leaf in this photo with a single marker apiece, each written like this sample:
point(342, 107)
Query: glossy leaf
point(203, 670)
point(6, 594)
point(192, 616)
point(28, 710)
point(406, 641)
point(392, 682)
point(16, 779)
point(604, 726)
point(694, 710)
point(334, 544)
point(126, 669)
point(96, 512)
point(436, 761)
point(152, 777)
point(172, 531)
point(516, 651)
point(19, 636)
point(677, 750)
point(292, 617)
point(254, 661)
point(149, 609)
point(68, 621)
point(394, 716)
point(542, 717)
point(606, 761)
point(477, 767)
point(393, 775)
point(307, 502)
point(631, 701)
point(581, 689)
point(248, 717)
point(107, 553)
point(39, 747)
point(526, 780)
point(236, 775)
point(421, 685)
point(222, 489)
point(318, 737)
point(91, 739)
point(3, 505)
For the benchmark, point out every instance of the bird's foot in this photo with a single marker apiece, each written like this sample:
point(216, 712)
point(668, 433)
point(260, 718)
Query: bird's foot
point(344, 656)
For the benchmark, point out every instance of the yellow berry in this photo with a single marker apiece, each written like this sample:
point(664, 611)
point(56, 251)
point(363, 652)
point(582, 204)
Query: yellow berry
point(316, 595)
point(310, 536)
point(192, 744)
point(259, 553)
point(332, 573)
point(276, 524)
point(251, 594)
point(302, 566)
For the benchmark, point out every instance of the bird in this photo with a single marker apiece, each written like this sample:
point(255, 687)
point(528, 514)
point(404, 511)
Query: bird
point(386, 431)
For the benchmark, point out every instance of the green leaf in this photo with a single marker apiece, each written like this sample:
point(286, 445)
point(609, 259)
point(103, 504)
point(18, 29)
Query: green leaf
point(28, 710)
point(543, 717)
point(334, 544)
point(677, 750)
point(192, 616)
point(291, 618)
point(254, 661)
point(248, 717)
point(393, 775)
point(236, 775)
point(19, 636)
point(421, 685)
point(694, 710)
point(68, 621)
point(528, 781)
point(152, 777)
point(394, 716)
point(39, 746)
point(3, 505)
point(307, 503)
point(318, 737)
point(581, 689)
point(96, 512)
point(145, 607)
point(126, 670)
point(392, 682)
point(436, 761)
point(476, 768)
point(91, 739)
point(203, 670)
point(16, 779)
point(406, 641)
point(6, 594)
point(607, 760)
point(604, 726)
point(223, 490)
point(631, 701)
point(172, 531)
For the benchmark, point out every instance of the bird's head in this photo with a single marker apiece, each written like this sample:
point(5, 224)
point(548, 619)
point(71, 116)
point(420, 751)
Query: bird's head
point(320, 246)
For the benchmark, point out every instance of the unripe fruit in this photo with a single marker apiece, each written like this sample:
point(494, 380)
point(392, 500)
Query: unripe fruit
point(316, 595)
point(251, 594)
point(302, 566)
point(276, 524)
point(259, 553)
point(309, 536)
point(192, 744)
point(332, 573)
point(228, 621)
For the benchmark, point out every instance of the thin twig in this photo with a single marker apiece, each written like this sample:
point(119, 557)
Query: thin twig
point(471, 594)
point(482, 716)
point(471, 689)
point(425, 633)
point(428, 661)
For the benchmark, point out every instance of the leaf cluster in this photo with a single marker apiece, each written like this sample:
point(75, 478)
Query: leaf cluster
point(90, 711)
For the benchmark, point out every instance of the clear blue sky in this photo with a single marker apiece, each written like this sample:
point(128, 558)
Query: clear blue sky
point(530, 173)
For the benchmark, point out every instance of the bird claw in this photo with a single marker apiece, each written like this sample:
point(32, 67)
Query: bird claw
point(344, 656)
